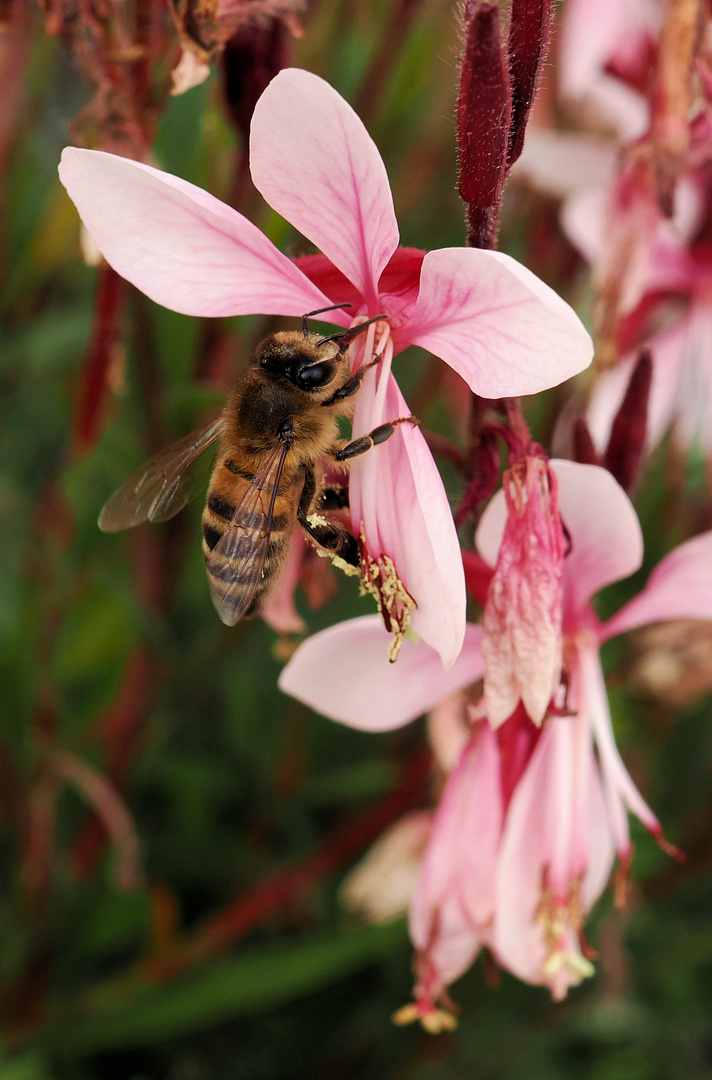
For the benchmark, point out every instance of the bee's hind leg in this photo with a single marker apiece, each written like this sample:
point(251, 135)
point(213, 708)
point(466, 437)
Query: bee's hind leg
point(379, 435)
point(333, 538)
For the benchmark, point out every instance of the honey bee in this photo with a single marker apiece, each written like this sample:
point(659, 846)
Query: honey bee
point(279, 422)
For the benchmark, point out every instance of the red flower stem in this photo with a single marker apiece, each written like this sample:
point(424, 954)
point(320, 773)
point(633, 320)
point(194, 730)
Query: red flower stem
point(381, 67)
point(270, 896)
point(108, 310)
point(119, 729)
point(626, 444)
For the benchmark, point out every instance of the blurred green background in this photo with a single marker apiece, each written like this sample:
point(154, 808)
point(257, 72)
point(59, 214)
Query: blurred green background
point(229, 955)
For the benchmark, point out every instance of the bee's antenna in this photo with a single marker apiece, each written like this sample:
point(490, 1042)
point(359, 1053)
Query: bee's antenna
point(346, 335)
point(319, 311)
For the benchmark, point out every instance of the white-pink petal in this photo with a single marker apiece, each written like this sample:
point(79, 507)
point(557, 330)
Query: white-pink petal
point(344, 673)
point(179, 245)
point(501, 328)
point(606, 539)
point(280, 611)
point(680, 587)
point(396, 492)
point(556, 833)
point(453, 902)
point(618, 784)
point(562, 162)
point(315, 163)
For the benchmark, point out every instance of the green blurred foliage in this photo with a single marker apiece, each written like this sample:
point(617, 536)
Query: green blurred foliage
point(227, 780)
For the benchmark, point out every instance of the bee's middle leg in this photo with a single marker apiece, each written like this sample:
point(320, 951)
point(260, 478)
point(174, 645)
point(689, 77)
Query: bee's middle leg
point(327, 534)
point(379, 435)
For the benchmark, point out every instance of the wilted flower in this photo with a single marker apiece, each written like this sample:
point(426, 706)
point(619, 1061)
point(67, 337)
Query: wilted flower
point(522, 621)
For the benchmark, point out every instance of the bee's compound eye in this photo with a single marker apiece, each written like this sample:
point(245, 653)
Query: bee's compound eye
point(311, 377)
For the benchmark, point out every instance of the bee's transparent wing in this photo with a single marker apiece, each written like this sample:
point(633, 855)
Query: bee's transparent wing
point(161, 487)
point(236, 562)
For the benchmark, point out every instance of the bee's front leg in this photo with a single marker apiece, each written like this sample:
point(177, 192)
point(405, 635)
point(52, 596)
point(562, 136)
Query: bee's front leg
point(380, 434)
point(351, 385)
point(333, 538)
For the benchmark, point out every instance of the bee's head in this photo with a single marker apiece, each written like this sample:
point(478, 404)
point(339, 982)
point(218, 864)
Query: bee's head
point(308, 363)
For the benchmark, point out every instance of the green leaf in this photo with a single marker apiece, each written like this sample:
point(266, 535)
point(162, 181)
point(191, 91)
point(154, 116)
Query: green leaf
point(25, 1067)
point(252, 982)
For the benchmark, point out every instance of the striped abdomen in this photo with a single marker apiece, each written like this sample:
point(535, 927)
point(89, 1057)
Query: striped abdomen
point(243, 547)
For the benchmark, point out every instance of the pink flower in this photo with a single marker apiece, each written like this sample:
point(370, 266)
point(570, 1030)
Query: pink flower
point(522, 621)
point(494, 322)
point(606, 52)
point(381, 886)
point(564, 791)
point(681, 389)
point(453, 907)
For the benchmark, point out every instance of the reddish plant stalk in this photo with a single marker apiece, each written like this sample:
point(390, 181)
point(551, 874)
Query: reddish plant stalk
point(109, 305)
point(247, 912)
point(626, 443)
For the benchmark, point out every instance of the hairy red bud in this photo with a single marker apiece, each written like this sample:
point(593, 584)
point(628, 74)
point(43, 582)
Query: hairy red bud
point(528, 42)
point(483, 121)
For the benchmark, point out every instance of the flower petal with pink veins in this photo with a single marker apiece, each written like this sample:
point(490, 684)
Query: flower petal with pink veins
point(680, 587)
point(396, 492)
point(606, 541)
point(343, 672)
point(179, 245)
point(315, 164)
point(501, 328)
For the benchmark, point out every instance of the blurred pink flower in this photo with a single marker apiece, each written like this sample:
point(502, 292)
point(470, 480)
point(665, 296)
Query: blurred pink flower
point(380, 887)
point(493, 321)
point(562, 793)
point(654, 284)
point(681, 389)
point(606, 55)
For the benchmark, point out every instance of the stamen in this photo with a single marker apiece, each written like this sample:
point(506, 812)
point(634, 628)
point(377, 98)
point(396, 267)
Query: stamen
point(395, 604)
point(432, 1019)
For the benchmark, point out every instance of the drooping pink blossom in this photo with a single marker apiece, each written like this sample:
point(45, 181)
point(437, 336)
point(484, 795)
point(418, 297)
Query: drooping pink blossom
point(522, 645)
point(453, 907)
point(494, 322)
point(564, 791)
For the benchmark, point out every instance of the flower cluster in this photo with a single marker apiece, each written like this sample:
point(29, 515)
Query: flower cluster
point(533, 815)
point(534, 811)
